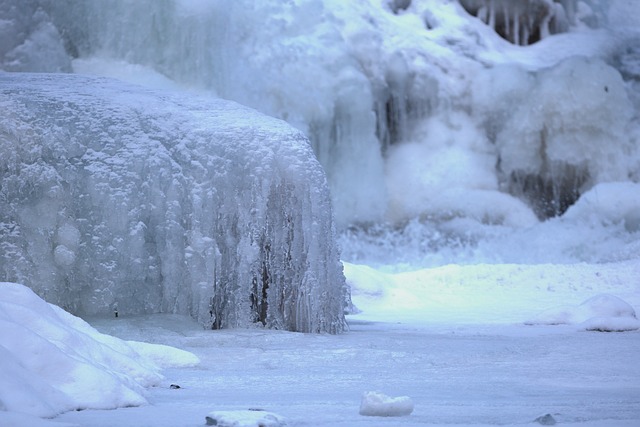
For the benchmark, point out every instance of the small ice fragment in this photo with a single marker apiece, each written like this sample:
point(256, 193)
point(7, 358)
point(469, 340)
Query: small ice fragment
point(375, 404)
point(242, 418)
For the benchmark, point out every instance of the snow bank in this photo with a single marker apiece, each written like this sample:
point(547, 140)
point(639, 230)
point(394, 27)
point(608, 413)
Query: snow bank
point(119, 198)
point(375, 404)
point(54, 362)
point(602, 312)
point(249, 418)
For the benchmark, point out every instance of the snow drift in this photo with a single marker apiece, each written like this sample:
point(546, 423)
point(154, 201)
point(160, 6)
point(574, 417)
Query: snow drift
point(54, 362)
point(603, 312)
point(115, 197)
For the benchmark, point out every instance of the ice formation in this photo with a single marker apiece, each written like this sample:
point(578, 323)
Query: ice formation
point(526, 21)
point(376, 404)
point(114, 197)
point(388, 91)
point(91, 370)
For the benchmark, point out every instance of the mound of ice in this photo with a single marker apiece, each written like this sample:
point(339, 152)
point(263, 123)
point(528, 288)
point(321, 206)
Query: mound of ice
point(115, 197)
point(609, 203)
point(53, 362)
point(602, 312)
point(249, 418)
point(375, 404)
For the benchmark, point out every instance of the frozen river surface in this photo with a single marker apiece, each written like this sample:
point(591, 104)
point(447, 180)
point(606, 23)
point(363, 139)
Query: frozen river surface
point(456, 375)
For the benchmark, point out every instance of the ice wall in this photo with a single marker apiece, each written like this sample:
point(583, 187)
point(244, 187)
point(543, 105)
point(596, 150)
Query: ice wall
point(418, 111)
point(113, 197)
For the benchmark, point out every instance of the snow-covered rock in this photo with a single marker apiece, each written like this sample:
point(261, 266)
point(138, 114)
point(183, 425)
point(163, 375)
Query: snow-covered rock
point(248, 418)
point(602, 312)
point(376, 404)
point(53, 362)
point(115, 197)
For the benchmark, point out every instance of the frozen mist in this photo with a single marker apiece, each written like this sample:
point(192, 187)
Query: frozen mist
point(117, 198)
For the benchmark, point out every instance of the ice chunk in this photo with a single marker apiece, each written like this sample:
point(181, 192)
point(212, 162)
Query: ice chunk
point(248, 418)
point(375, 404)
point(118, 197)
point(92, 370)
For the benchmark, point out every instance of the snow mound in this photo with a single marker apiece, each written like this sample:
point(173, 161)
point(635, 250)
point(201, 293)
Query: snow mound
point(248, 418)
point(116, 197)
point(375, 404)
point(609, 203)
point(53, 362)
point(602, 312)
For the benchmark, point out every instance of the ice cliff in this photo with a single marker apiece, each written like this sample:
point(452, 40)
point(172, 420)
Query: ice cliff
point(115, 197)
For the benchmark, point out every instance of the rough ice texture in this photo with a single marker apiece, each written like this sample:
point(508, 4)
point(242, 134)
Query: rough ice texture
point(114, 197)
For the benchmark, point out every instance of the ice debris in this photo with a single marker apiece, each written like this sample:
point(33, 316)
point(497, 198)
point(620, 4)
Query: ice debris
point(376, 404)
point(245, 418)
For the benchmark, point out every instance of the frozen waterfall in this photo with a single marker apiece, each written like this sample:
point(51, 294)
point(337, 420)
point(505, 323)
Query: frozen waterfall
point(118, 198)
point(440, 124)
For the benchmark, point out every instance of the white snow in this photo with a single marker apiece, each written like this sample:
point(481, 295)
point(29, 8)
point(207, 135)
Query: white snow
point(376, 404)
point(52, 362)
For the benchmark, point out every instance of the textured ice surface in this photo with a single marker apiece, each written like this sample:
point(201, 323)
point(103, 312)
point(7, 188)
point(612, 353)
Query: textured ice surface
point(117, 198)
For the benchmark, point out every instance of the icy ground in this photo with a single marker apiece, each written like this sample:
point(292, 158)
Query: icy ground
point(470, 361)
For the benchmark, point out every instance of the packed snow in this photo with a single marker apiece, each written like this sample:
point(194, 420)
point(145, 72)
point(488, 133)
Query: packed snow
point(483, 161)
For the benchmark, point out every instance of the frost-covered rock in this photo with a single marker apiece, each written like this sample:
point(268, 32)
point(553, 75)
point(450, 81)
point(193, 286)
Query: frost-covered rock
point(375, 404)
point(115, 197)
point(602, 312)
point(54, 362)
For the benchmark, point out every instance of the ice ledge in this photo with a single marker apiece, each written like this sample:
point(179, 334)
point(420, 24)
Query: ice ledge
point(115, 197)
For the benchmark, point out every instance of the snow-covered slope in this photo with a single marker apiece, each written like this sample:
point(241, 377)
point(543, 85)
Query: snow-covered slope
point(51, 361)
point(117, 198)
